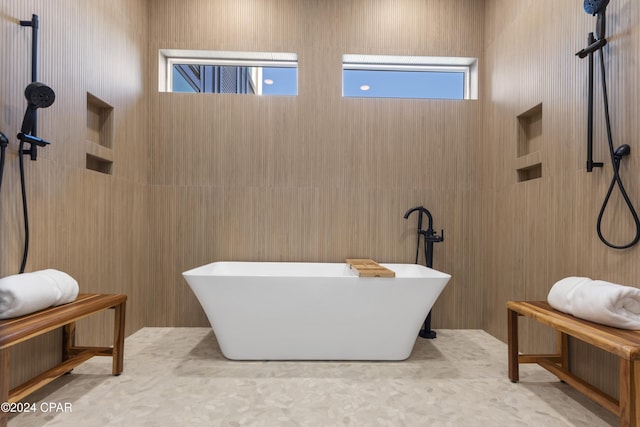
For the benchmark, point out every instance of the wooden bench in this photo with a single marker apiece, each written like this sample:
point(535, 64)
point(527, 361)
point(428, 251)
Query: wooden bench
point(623, 343)
point(19, 329)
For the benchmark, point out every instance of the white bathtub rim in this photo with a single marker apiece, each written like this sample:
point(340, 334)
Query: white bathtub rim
point(217, 269)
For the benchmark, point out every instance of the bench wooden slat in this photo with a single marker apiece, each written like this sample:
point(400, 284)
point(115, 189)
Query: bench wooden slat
point(583, 387)
point(16, 330)
point(23, 390)
point(534, 358)
point(623, 343)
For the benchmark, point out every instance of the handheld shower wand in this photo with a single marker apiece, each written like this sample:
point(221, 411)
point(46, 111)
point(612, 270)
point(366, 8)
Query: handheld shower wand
point(38, 95)
point(598, 9)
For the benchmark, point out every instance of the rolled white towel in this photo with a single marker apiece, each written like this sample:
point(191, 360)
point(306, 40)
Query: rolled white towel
point(26, 293)
point(597, 301)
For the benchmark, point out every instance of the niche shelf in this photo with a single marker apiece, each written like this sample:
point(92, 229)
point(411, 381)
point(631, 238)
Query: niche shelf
point(529, 144)
point(530, 172)
point(99, 154)
point(98, 164)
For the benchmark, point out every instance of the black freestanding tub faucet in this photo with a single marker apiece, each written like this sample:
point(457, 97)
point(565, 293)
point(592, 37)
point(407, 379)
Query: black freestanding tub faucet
point(430, 237)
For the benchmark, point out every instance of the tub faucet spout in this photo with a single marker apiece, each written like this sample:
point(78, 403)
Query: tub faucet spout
point(430, 236)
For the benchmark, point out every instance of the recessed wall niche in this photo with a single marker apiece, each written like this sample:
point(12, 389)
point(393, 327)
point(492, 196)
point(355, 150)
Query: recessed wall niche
point(99, 144)
point(529, 144)
point(531, 172)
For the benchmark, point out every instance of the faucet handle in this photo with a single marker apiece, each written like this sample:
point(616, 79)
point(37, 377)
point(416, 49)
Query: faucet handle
point(431, 236)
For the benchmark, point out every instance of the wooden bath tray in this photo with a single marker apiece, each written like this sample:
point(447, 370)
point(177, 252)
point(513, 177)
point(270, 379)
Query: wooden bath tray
point(369, 268)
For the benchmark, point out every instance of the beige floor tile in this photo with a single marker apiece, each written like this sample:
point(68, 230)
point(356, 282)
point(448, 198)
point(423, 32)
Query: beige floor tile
point(178, 377)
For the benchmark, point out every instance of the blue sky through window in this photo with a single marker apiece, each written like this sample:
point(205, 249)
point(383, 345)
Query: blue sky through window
point(403, 84)
point(180, 84)
point(284, 81)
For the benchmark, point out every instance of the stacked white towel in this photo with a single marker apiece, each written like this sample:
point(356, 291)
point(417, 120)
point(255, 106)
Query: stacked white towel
point(26, 293)
point(597, 301)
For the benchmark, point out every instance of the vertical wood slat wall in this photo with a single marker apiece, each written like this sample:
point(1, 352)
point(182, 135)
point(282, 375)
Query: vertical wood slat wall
point(539, 231)
point(204, 178)
point(316, 177)
point(86, 223)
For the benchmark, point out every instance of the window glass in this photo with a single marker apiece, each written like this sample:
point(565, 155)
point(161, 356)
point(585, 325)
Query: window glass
point(380, 76)
point(255, 73)
point(279, 81)
point(403, 84)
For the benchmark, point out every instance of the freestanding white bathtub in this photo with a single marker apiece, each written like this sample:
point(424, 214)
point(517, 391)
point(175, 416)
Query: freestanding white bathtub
point(314, 311)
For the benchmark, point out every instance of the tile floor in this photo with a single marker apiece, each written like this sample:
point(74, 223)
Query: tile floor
point(178, 377)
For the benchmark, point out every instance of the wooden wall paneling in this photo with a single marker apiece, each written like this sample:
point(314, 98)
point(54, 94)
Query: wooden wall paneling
point(192, 239)
point(81, 222)
point(160, 298)
point(309, 177)
point(529, 51)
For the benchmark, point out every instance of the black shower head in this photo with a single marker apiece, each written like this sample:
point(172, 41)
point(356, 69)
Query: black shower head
point(38, 95)
point(593, 7)
point(598, 7)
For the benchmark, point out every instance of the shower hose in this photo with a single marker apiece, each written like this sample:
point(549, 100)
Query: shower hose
point(23, 188)
point(615, 160)
point(3, 146)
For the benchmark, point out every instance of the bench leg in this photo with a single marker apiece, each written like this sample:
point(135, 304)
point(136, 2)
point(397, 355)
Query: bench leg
point(68, 340)
point(4, 384)
point(629, 393)
point(562, 347)
point(512, 325)
point(118, 339)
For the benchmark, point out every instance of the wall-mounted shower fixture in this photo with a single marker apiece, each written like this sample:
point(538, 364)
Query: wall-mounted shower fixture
point(430, 237)
point(38, 95)
point(598, 8)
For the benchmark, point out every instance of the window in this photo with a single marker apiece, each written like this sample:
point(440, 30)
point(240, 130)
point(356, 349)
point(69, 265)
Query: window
point(257, 73)
point(382, 76)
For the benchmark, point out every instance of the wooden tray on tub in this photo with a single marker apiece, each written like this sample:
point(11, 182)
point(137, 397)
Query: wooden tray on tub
point(369, 268)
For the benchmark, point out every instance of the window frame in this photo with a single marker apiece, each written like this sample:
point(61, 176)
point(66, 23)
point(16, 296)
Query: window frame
point(170, 57)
